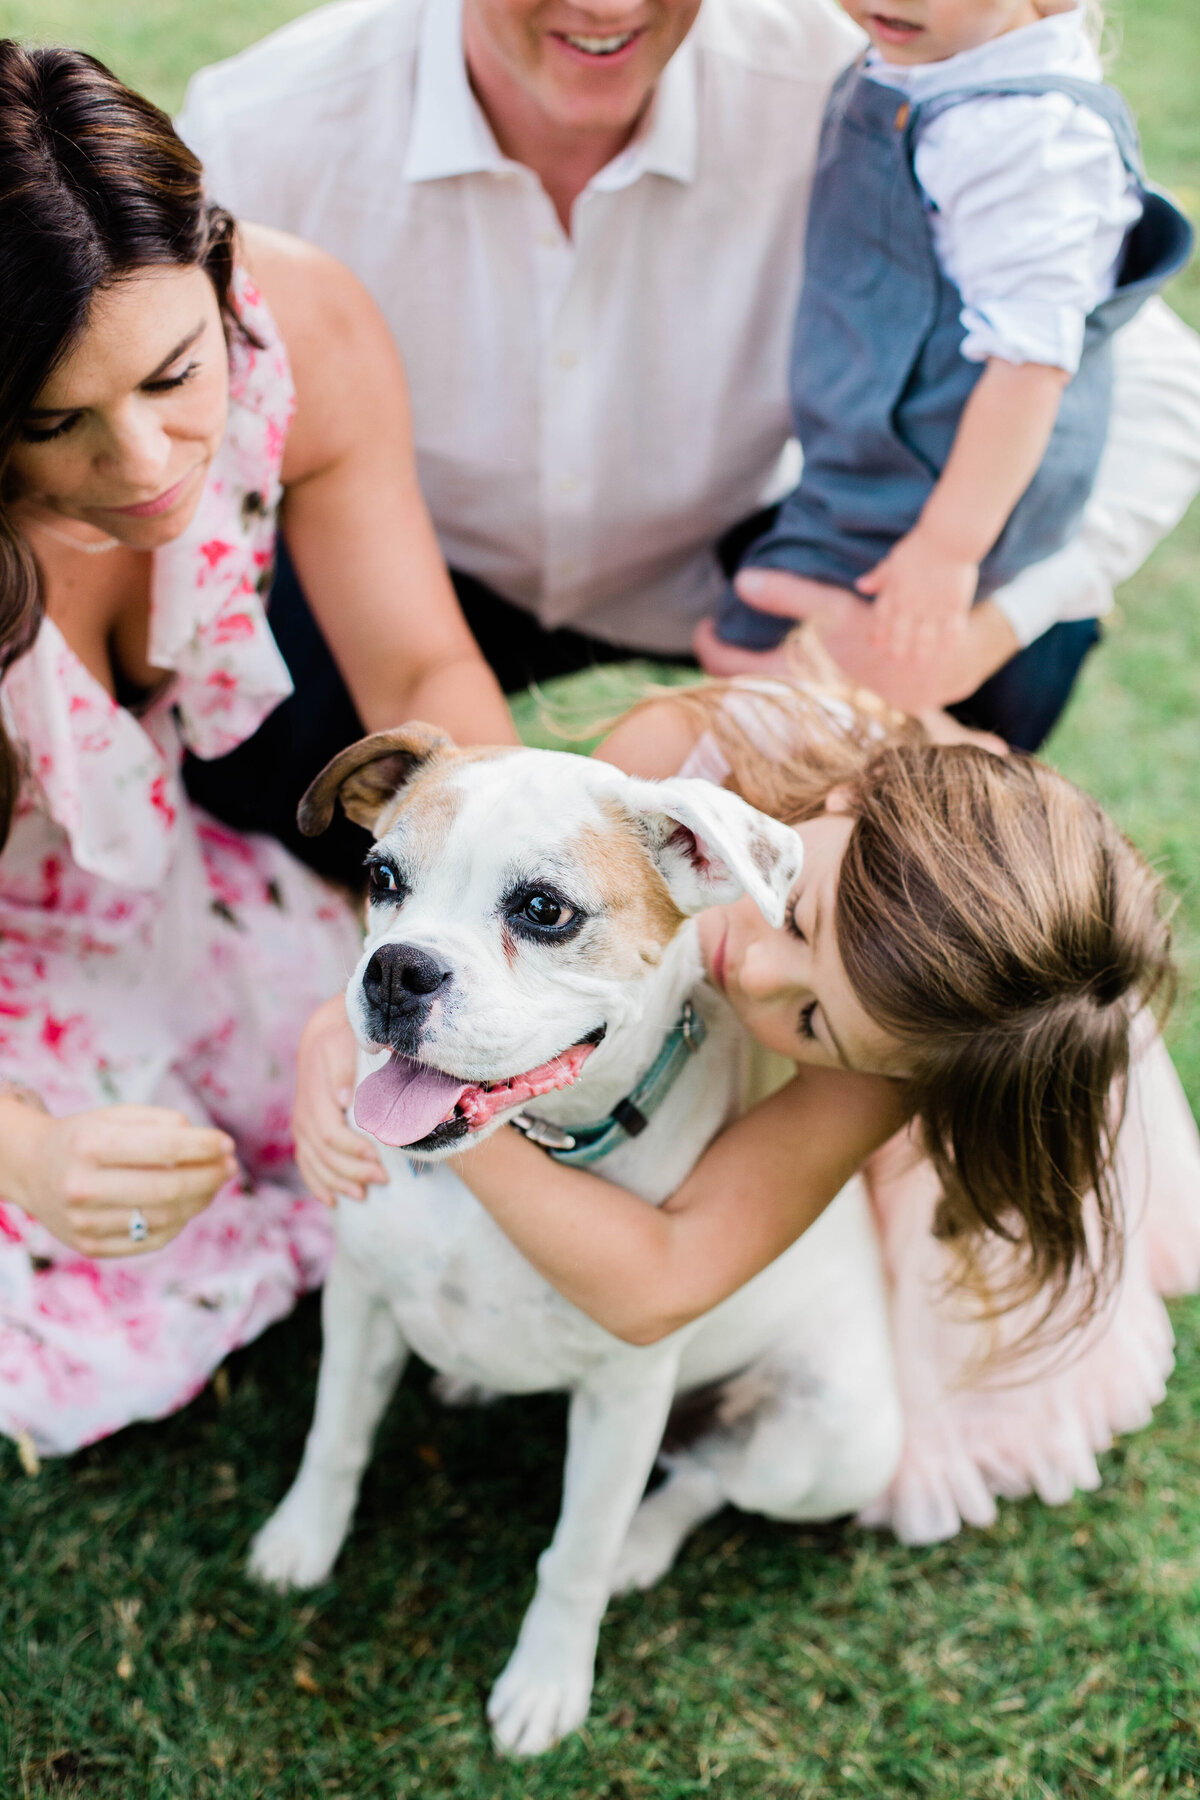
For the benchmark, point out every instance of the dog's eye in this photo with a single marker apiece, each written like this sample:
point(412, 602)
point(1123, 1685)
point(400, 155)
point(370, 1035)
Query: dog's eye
point(385, 882)
point(546, 912)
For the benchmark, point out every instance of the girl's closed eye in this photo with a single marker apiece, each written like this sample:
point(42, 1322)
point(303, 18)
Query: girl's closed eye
point(793, 926)
point(805, 1026)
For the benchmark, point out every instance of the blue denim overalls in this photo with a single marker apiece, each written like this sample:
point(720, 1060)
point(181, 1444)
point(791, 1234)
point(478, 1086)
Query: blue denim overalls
point(878, 379)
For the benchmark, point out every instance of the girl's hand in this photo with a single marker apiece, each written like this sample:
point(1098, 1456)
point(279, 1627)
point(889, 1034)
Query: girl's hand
point(333, 1157)
point(922, 596)
point(86, 1175)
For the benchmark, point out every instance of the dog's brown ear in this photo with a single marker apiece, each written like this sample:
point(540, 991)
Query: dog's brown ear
point(366, 775)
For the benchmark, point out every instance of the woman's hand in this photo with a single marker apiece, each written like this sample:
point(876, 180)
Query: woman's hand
point(85, 1176)
point(333, 1158)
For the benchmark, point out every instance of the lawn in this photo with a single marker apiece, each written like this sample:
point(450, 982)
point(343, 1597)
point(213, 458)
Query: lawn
point(1053, 1656)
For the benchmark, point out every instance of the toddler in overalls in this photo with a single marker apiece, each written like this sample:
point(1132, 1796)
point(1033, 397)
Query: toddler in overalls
point(980, 226)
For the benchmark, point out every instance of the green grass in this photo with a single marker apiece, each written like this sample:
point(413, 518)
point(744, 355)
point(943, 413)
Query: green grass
point(1054, 1657)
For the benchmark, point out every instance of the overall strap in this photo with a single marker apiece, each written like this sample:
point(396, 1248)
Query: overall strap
point(1108, 103)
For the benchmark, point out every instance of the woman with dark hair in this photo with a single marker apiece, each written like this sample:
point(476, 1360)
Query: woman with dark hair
point(170, 386)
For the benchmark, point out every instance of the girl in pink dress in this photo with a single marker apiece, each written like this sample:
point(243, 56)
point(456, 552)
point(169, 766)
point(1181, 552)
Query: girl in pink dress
point(1003, 1401)
point(156, 968)
point(994, 951)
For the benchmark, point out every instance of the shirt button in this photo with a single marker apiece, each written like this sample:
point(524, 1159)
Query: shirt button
point(547, 240)
point(568, 484)
point(566, 359)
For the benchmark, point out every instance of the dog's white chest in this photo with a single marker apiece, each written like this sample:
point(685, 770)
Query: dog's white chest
point(466, 1300)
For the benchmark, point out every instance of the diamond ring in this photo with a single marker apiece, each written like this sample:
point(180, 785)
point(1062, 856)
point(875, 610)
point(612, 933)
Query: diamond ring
point(138, 1228)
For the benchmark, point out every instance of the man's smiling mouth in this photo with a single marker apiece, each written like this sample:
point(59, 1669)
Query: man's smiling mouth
point(405, 1103)
point(597, 46)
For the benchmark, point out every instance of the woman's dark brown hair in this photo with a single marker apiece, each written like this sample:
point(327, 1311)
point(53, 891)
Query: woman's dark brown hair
point(995, 922)
point(94, 184)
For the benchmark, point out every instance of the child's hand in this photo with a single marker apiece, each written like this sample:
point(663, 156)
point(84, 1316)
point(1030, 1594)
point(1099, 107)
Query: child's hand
point(922, 596)
point(334, 1157)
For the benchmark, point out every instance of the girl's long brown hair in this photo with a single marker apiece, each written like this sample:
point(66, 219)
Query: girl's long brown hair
point(94, 184)
point(995, 922)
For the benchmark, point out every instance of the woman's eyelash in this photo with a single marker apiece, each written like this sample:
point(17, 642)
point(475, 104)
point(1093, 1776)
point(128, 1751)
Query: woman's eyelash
point(794, 928)
point(170, 381)
point(34, 434)
point(44, 434)
point(806, 1022)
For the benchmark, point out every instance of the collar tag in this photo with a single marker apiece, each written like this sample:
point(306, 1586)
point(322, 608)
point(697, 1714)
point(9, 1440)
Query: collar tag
point(542, 1132)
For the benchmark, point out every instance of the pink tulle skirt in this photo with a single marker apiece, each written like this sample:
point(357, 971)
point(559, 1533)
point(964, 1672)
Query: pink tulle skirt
point(1034, 1423)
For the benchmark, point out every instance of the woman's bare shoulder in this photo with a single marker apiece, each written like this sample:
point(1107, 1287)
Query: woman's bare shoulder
point(308, 291)
point(653, 742)
point(347, 371)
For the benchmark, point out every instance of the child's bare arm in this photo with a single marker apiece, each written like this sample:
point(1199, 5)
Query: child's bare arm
point(644, 1271)
point(924, 587)
point(653, 742)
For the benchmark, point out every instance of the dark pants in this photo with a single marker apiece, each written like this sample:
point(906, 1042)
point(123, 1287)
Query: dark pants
point(1022, 701)
point(257, 787)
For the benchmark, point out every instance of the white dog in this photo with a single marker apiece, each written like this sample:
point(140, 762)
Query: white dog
point(527, 944)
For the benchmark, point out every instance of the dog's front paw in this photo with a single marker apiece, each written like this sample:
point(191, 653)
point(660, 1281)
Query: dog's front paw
point(532, 1707)
point(296, 1548)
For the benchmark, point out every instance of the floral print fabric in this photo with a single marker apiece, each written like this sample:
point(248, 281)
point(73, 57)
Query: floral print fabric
point(150, 955)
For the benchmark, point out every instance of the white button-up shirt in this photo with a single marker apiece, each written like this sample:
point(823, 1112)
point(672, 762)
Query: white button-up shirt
point(591, 411)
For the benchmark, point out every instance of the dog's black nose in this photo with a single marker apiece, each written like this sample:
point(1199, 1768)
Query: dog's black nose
point(399, 973)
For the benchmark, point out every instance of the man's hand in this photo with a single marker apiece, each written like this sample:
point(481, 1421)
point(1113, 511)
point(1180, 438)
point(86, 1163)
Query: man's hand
point(332, 1156)
point(843, 622)
point(922, 595)
point(85, 1175)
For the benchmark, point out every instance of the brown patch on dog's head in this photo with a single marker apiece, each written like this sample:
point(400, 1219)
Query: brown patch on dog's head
point(429, 810)
point(430, 805)
point(632, 891)
point(366, 775)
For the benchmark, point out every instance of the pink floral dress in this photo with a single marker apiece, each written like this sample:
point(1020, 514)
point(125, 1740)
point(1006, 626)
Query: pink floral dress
point(978, 1429)
point(151, 955)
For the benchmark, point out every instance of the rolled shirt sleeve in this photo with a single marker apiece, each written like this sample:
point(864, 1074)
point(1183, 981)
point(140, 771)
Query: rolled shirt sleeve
point(1031, 205)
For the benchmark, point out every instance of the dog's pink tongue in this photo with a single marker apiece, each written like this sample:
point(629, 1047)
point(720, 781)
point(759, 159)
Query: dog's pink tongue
point(402, 1102)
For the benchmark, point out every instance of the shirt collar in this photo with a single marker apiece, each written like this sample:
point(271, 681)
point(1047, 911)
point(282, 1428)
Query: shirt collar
point(665, 143)
point(1057, 44)
point(451, 135)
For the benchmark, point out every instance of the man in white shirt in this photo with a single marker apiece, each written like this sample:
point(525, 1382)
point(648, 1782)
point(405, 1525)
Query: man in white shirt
point(583, 220)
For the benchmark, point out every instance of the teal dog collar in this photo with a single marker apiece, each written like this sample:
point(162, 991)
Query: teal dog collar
point(583, 1144)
